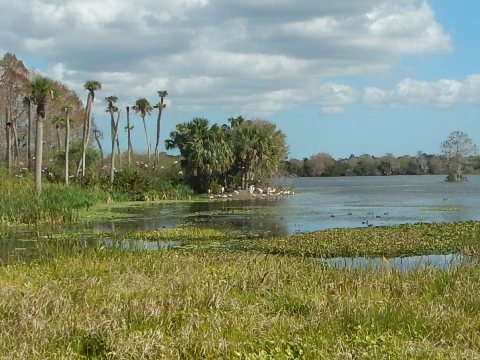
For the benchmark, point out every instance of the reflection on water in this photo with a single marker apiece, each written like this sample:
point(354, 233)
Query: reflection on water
point(406, 264)
point(258, 215)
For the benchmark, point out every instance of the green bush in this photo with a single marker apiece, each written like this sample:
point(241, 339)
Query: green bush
point(131, 184)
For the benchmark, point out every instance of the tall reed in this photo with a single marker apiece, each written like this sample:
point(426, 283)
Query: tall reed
point(19, 204)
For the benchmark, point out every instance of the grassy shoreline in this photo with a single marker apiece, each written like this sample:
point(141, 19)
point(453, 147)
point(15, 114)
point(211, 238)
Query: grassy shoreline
point(248, 303)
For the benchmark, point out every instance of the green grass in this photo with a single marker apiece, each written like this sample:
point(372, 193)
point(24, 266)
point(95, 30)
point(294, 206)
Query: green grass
point(19, 204)
point(217, 304)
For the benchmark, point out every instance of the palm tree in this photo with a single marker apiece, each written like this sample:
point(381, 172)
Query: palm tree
point(112, 109)
point(39, 90)
point(143, 107)
point(206, 151)
point(91, 86)
point(160, 106)
point(129, 129)
point(66, 109)
point(259, 148)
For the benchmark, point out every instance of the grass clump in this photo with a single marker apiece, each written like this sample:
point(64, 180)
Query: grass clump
point(19, 204)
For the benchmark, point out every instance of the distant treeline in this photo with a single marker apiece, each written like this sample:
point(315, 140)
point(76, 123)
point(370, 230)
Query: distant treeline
point(323, 164)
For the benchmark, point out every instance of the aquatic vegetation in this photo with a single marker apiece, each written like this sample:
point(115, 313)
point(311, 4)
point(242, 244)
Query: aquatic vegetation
point(182, 234)
point(400, 240)
point(440, 209)
point(217, 304)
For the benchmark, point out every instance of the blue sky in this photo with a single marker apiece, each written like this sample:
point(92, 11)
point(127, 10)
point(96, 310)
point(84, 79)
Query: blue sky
point(344, 77)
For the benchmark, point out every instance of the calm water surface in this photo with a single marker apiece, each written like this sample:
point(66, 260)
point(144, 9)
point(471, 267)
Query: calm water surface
point(318, 203)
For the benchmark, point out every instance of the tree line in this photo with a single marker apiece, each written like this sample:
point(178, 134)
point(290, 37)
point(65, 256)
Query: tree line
point(323, 164)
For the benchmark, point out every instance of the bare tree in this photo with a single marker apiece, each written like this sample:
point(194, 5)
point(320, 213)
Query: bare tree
point(457, 148)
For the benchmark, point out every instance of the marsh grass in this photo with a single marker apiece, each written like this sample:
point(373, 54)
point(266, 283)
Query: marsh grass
point(216, 304)
point(388, 241)
point(19, 204)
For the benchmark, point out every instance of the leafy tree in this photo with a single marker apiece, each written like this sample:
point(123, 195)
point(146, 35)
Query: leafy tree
point(40, 90)
point(456, 148)
point(365, 166)
point(206, 151)
point(294, 167)
point(143, 107)
point(319, 163)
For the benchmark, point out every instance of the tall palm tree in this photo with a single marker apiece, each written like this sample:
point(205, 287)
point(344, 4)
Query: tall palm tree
point(91, 86)
point(160, 106)
point(143, 107)
point(40, 90)
point(112, 109)
point(66, 110)
point(129, 129)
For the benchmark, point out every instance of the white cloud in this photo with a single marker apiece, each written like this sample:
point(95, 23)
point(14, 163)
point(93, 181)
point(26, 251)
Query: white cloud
point(252, 55)
point(441, 93)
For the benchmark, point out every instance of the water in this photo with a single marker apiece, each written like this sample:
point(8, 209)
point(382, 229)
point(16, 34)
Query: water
point(319, 203)
point(405, 264)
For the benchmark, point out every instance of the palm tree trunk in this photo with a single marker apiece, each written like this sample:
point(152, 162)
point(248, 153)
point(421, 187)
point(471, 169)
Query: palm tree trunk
point(8, 126)
point(112, 159)
point(86, 133)
point(97, 139)
point(112, 130)
point(67, 143)
point(29, 135)
point(15, 140)
point(38, 154)
point(146, 137)
point(89, 129)
point(59, 143)
point(129, 146)
point(160, 108)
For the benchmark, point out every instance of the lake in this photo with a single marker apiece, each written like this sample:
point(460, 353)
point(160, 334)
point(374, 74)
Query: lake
point(318, 203)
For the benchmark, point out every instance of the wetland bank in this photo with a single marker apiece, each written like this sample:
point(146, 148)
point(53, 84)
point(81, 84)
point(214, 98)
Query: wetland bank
point(242, 292)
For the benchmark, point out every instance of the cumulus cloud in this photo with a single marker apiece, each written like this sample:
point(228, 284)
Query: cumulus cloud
point(258, 56)
point(441, 93)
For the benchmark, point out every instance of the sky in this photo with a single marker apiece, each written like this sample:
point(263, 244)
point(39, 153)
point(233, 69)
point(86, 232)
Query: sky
point(342, 77)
